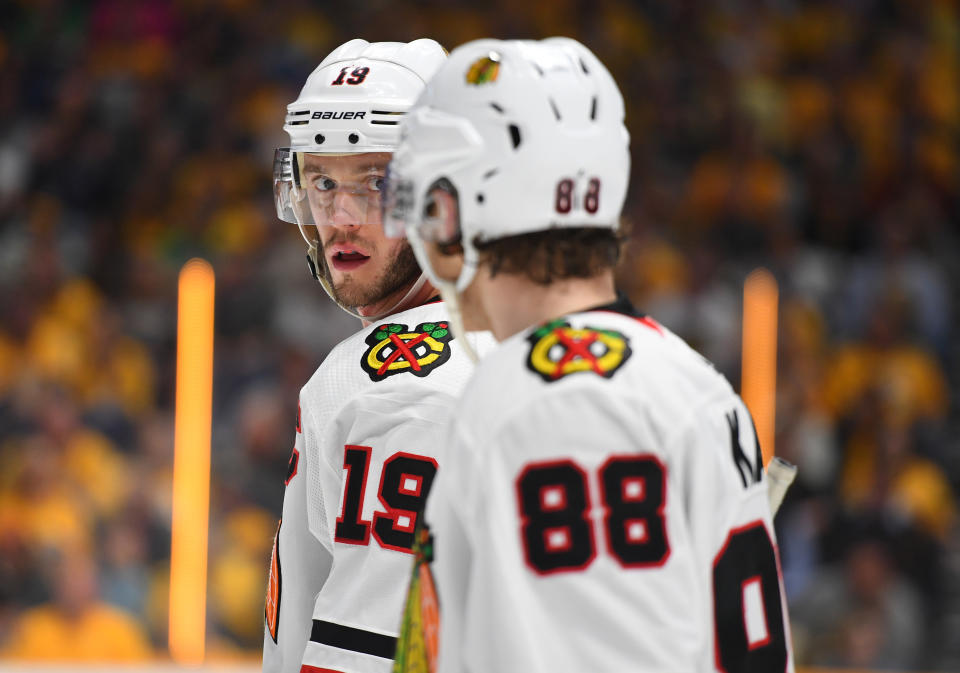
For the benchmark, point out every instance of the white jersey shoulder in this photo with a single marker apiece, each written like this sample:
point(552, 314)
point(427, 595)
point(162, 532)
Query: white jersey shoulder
point(369, 433)
point(649, 367)
point(610, 491)
point(410, 351)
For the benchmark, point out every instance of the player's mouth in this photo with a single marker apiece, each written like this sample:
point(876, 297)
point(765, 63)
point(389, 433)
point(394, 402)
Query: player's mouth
point(346, 258)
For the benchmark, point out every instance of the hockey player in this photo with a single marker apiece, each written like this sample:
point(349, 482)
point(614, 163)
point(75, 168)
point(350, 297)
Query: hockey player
point(368, 420)
point(603, 504)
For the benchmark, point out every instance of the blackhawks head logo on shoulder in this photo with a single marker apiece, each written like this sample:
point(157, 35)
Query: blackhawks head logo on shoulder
point(557, 350)
point(394, 348)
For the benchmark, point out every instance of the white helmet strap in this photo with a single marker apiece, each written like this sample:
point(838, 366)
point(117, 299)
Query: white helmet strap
point(448, 292)
point(471, 259)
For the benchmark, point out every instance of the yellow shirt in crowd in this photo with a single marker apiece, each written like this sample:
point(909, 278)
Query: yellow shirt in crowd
point(101, 633)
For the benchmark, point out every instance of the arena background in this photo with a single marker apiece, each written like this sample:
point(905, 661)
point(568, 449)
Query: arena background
point(817, 139)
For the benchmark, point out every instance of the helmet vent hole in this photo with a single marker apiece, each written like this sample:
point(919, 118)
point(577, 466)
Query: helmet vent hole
point(319, 139)
point(353, 138)
point(593, 109)
point(480, 197)
point(489, 174)
point(538, 69)
point(556, 112)
point(496, 107)
point(583, 66)
point(515, 135)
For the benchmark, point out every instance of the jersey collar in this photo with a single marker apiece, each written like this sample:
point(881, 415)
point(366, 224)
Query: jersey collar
point(620, 305)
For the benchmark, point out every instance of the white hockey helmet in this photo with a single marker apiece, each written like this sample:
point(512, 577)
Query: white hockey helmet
point(529, 136)
point(352, 103)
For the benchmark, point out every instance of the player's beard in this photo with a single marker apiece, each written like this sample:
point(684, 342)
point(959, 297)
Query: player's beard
point(398, 275)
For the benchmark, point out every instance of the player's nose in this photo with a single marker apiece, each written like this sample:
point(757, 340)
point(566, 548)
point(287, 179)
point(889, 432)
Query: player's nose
point(349, 210)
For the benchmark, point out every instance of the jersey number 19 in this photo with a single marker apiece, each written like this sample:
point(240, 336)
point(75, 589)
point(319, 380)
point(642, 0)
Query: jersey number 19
point(404, 483)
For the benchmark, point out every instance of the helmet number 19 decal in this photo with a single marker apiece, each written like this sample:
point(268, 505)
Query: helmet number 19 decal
point(565, 196)
point(356, 77)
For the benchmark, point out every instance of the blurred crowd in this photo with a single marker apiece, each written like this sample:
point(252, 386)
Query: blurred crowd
point(818, 139)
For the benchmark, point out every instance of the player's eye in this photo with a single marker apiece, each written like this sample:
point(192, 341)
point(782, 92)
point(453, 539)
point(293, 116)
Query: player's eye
point(375, 183)
point(324, 184)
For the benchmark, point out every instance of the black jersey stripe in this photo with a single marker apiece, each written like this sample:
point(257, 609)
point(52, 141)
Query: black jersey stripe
point(355, 640)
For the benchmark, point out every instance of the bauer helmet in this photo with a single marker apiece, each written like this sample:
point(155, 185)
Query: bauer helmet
point(351, 104)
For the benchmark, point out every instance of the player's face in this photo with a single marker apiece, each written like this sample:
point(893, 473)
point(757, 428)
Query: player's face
point(362, 265)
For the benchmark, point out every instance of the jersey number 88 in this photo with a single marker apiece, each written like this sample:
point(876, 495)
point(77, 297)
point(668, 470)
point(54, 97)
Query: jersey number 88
point(558, 536)
point(555, 504)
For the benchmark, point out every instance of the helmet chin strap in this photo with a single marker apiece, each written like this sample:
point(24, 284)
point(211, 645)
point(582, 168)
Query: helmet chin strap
point(450, 290)
point(451, 299)
point(416, 287)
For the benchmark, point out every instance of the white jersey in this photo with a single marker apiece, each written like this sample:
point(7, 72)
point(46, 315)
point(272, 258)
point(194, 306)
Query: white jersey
point(369, 429)
point(604, 508)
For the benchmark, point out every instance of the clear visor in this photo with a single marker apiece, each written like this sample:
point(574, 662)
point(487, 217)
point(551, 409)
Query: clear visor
point(326, 189)
point(397, 204)
point(400, 217)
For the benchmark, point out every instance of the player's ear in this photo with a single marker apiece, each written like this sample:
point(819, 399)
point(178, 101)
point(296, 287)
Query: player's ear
point(443, 246)
point(443, 210)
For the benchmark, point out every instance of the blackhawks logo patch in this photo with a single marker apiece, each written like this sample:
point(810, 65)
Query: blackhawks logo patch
point(557, 350)
point(484, 70)
point(271, 611)
point(395, 348)
point(418, 641)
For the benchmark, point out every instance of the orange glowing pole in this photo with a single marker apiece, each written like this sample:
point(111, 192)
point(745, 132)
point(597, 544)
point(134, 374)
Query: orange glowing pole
point(191, 463)
point(759, 373)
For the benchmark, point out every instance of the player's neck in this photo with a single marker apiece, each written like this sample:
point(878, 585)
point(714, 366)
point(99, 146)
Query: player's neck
point(514, 303)
point(389, 303)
